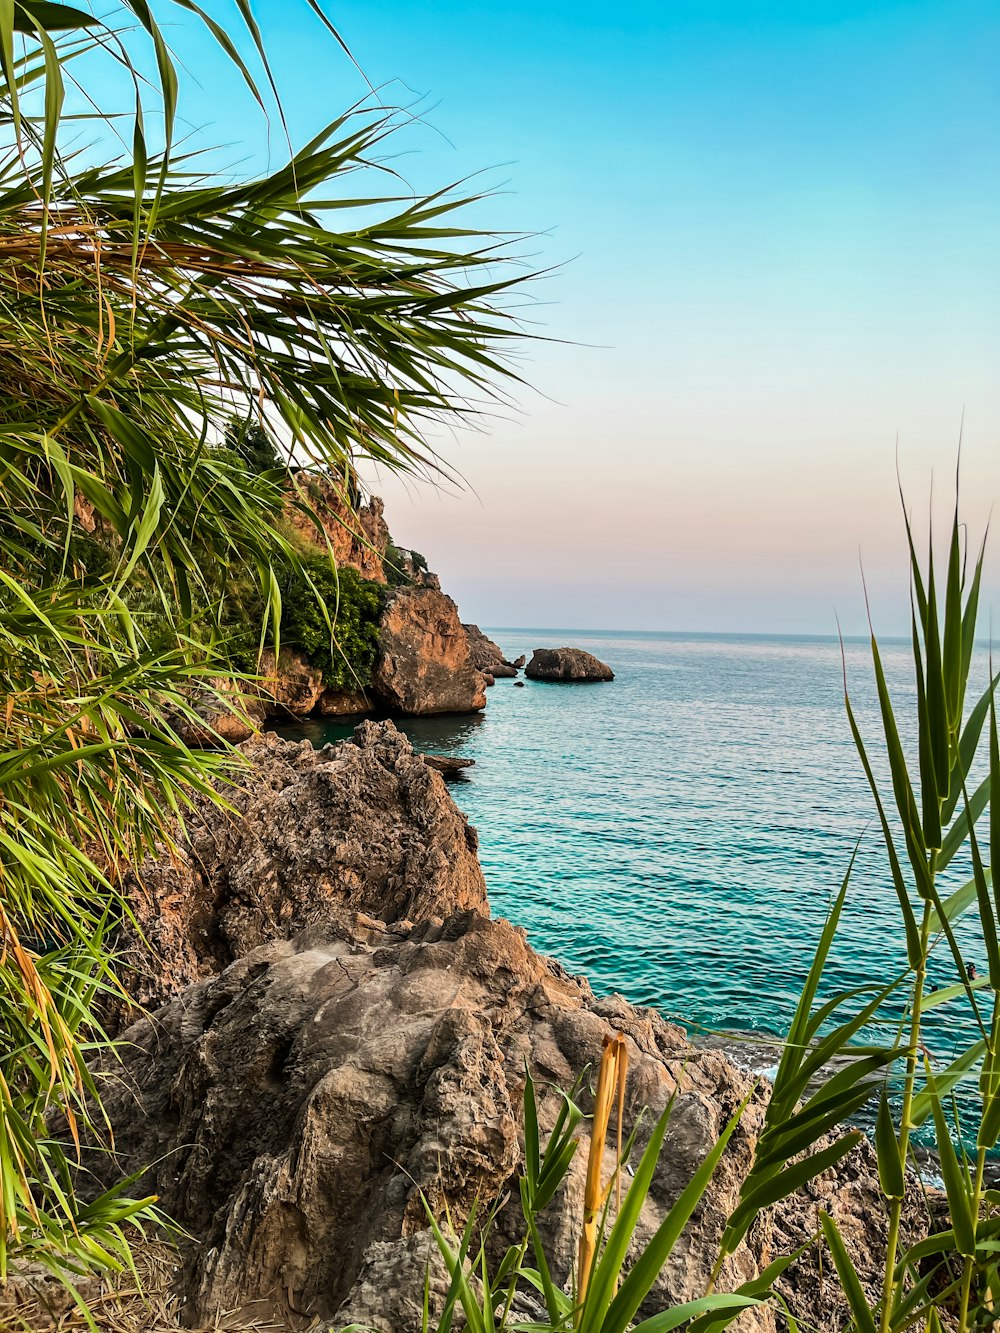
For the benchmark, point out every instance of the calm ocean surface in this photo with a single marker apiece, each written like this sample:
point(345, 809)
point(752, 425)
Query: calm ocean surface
point(678, 835)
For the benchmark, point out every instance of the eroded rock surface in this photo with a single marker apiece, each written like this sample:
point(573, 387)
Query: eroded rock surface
point(290, 685)
point(425, 663)
point(298, 1104)
point(343, 703)
point(295, 1105)
point(566, 664)
point(356, 530)
point(363, 826)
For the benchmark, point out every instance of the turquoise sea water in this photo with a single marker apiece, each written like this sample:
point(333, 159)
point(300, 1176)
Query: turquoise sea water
point(678, 834)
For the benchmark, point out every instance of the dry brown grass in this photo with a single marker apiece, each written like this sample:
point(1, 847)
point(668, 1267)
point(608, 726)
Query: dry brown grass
point(117, 1304)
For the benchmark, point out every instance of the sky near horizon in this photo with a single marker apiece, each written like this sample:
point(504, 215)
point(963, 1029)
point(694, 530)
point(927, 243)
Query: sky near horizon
point(776, 228)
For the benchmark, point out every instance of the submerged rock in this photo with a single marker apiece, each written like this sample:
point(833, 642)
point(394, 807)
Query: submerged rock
point(425, 663)
point(566, 664)
point(448, 764)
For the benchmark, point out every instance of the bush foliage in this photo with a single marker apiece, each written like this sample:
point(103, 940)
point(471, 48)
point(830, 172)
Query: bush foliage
point(347, 655)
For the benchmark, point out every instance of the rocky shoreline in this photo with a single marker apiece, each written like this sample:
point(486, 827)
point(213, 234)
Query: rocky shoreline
point(344, 1026)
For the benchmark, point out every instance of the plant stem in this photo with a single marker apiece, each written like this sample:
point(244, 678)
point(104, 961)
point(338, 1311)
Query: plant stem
point(977, 1190)
point(896, 1205)
point(968, 1267)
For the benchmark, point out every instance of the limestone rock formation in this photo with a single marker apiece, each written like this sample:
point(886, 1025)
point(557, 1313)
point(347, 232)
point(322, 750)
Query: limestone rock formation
point(365, 1039)
point(487, 656)
point(425, 664)
point(357, 532)
point(363, 826)
point(566, 664)
point(296, 1106)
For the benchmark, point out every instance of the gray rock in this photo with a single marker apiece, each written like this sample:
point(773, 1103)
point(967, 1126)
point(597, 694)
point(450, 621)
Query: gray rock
point(566, 664)
point(487, 655)
point(296, 1107)
point(363, 826)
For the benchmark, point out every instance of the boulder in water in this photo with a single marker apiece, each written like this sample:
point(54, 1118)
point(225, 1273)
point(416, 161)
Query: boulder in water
point(567, 664)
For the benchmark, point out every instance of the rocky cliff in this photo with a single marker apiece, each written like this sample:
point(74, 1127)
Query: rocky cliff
point(366, 1038)
point(356, 530)
point(425, 662)
point(312, 836)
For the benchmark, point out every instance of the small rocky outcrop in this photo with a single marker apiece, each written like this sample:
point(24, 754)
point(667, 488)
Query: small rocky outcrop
point(449, 765)
point(487, 656)
point(566, 664)
point(343, 703)
point(364, 826)
point(425, 663)
point(290, 685)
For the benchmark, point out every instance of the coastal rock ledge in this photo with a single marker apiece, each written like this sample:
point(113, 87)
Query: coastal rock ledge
point(566, 664)
point(371, 1044)
point(317, 835)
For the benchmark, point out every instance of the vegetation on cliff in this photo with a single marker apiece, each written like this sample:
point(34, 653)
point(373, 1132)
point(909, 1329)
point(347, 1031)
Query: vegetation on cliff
point(140, 307)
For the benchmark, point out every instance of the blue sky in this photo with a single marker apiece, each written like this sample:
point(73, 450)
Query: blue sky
point(777, 226)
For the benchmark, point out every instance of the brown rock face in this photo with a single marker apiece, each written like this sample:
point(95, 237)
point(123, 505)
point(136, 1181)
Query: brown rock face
point(424, 663)
point(364, 826)
point(295, 1105)
point(487, 656)
point(358, 534)
point(343, 703)
point(566, 664)
point(298, 1103)
point(289, 686)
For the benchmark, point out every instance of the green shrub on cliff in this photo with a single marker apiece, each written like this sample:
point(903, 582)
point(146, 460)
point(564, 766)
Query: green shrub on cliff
point(398, 563)
point(347, 657)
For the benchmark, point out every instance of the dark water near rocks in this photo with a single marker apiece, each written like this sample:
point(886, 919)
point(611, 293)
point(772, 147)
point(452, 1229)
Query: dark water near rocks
point(678, 835)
